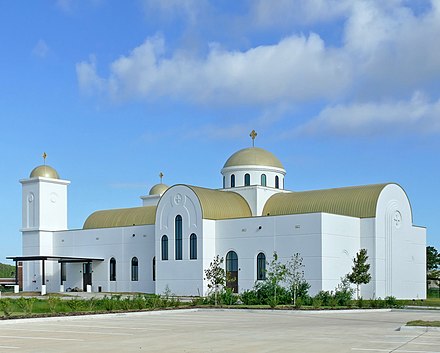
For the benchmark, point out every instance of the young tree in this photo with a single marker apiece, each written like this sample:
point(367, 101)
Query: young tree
point(275, 273)
point(359, 274)
point(432, 259)
point(295, 275)
point(216, 275)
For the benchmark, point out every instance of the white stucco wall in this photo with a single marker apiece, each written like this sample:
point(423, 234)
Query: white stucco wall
point(183, 276)
point(255, 173)
point(400, 247)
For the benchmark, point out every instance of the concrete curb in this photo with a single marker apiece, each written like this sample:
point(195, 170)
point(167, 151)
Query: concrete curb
point(419, 328)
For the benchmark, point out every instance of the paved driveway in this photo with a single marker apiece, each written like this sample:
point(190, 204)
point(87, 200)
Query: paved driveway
point(223, 331)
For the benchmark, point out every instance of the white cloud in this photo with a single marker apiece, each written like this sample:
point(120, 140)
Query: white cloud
point(41, 49)
point(297, 68)
point(394, 50)
point(64, 5)
point(269, 13)
point(190, 10)
point(88, 79)
point(417, 115)
point(387, 51)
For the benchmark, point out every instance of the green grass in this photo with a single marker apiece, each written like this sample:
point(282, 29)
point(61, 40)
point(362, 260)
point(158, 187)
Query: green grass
point(423, 323)
point(435, 302)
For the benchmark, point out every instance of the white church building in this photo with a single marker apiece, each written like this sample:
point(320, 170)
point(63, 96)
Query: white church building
point(169, 240)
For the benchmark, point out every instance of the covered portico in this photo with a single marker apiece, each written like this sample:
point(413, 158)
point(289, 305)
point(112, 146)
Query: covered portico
point(86, 261)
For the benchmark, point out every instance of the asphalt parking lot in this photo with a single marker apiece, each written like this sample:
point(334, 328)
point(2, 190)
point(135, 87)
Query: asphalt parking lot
point(223, 331)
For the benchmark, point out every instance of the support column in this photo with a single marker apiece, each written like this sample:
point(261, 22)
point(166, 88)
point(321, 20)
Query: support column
point(43, 278)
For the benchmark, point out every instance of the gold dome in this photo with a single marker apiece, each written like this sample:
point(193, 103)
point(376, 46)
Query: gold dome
point(158, 189)
point(253, 156)
point(44, 171)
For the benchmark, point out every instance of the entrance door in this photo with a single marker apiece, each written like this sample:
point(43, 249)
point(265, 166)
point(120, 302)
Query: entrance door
point(232, 271)
point(87, 275)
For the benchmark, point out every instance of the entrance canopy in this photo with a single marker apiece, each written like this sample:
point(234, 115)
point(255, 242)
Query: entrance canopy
point(44, 258)
point(54, 258)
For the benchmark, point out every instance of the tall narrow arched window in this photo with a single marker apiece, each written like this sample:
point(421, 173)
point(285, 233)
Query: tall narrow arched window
point(154, 268)
point(164, 245)
point(232, 271)
point(178, 236)
point(277, 182)
point(261, 267)
point(193, 247)
point(224, 182)
point(233, 181)
point(247, 180)
point(134, 269)
point(263, 180)
point(112, 269)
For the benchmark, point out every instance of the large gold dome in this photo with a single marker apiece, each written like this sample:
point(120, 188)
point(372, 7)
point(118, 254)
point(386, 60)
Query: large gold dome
point(253, 156)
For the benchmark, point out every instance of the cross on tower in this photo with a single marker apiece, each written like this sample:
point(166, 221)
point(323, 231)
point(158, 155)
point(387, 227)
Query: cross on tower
point(44, 157)
point(253, 134)
point(161, 176)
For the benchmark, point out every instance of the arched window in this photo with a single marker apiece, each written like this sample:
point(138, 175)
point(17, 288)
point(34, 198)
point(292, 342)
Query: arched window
point(134, 269)
point(154, 268)
point(112, 269)
point(232, 271)
point(193, 247)
point(178, 236)
point(277, 182)
point(247, 180)
point(224, 182)
point(164, 247)
point(233, 181)
point(261, 267)
point(263, 180)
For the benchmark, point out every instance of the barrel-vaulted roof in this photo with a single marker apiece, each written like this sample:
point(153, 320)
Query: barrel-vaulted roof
point(355, 201)
point(221, 204)
point(121, 217)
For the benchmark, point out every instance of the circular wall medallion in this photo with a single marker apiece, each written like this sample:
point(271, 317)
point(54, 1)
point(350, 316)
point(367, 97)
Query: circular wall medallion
point(30, 198)
point(178, 199)
point(53, 197)
point(397, 219)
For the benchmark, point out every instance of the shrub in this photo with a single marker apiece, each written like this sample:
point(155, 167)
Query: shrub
point(391, 302)
point(74, 304)
point(6, 306)
point(316, 302)
point(249, 297)
point(52, 303)
point(324, 296)
point(360, 303)
point(26, 304)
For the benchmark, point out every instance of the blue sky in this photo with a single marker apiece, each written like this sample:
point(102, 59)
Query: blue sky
point(342, 92)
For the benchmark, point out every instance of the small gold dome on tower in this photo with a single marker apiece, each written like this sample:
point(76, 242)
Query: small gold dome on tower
point(44, 171)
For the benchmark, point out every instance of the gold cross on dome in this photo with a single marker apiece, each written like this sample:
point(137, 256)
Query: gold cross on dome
point(253, 134)
point(161, 176)
point(44, 157)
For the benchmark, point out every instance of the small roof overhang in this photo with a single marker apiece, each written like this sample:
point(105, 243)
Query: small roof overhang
point(54, 258)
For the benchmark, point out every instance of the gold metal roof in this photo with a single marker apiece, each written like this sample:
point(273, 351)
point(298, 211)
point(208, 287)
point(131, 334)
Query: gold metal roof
point(221, 204)
point(253, 156)
point(158, 189)
point(355, 201)
point(45, 171)
point(122, 217)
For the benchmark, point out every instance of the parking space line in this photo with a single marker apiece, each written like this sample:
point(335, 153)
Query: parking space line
point(389, 351)
point(79, 332)
point(43, 338)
